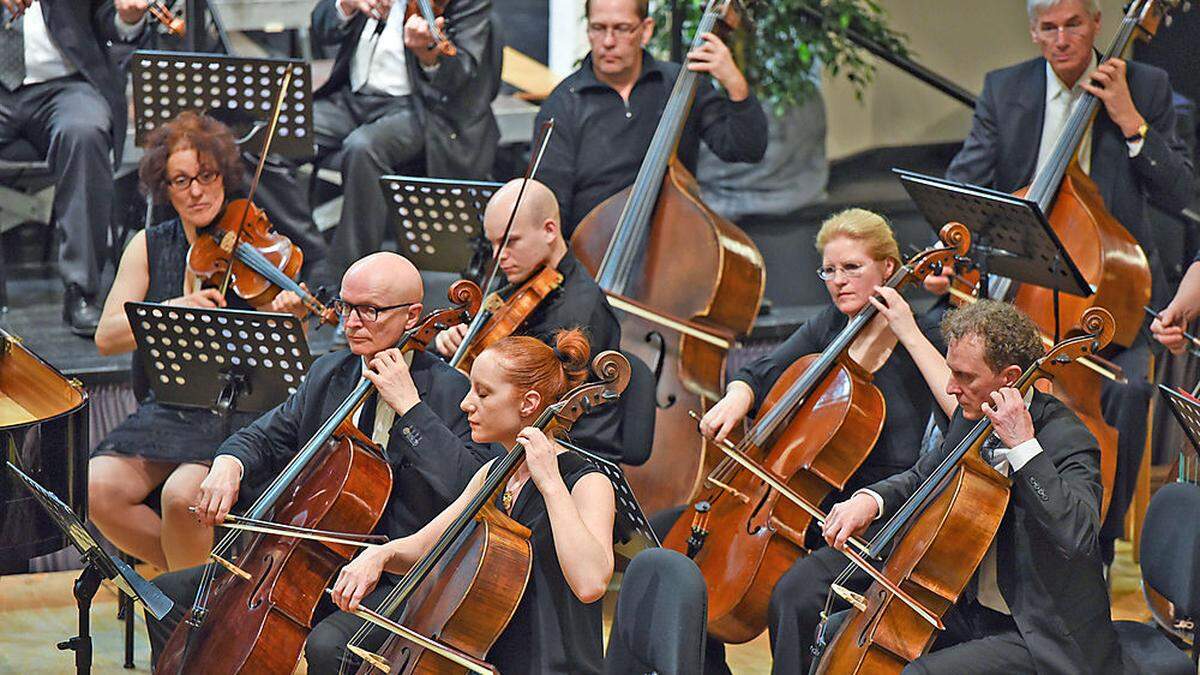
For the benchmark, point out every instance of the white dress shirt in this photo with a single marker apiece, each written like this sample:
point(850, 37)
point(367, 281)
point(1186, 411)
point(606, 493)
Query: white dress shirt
point(379, 62)
point(1059, 101)
point(44, 61)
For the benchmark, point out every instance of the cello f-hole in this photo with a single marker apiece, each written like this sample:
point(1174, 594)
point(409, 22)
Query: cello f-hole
point(254, 598)
point(660, 346)
point(869, 625)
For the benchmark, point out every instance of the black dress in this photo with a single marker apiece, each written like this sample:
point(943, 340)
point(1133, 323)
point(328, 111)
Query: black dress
point(552, 631)
point(156, 431)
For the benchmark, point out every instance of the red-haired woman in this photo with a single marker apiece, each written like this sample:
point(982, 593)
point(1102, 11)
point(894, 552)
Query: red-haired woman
point(566, 503)
point(190, 162)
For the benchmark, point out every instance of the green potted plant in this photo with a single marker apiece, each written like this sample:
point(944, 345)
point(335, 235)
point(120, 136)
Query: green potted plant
point(784, 49)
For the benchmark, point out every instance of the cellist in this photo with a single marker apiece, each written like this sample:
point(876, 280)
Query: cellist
point(562, 498)
point(414, 417)
point(1132, 152)
point(606, 113)
point(859, 253)
point(1039, 601)
point(536, 243)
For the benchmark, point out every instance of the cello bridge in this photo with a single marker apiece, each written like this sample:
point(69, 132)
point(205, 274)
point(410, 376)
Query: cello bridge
point(740, 496)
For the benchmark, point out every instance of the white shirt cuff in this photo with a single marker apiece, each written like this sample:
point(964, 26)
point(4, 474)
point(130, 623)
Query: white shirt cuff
point(874, 495)
point(430, 70)
point(128, 31)
point(341, 15)
point(1135, 147)
point(1020, 455)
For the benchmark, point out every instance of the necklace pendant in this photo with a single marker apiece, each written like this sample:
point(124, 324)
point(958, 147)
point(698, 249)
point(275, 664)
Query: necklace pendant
point(506, 499)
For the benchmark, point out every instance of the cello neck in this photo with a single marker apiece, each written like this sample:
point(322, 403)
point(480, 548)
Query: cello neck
point(1046, 182)
point(618, 266)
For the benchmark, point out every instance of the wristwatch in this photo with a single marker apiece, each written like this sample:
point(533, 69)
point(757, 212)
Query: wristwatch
point(1140, 135)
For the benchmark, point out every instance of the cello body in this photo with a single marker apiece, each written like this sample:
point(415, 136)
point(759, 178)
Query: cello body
point(700, 268)
point(344, 490)
point(752, 542)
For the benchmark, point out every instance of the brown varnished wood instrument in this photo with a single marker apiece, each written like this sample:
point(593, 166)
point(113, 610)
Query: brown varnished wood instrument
point(505, 315)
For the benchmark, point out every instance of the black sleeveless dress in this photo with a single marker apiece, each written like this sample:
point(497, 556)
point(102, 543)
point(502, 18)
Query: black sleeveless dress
point(552, 631)
point(156, 431)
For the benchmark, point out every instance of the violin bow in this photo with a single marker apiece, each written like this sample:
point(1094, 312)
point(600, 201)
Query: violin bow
point(262, 161)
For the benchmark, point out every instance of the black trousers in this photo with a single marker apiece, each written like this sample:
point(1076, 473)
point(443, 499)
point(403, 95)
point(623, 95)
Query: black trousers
point(326, 645)
point(69, 122)
point(1124, 406)
point(376, 135)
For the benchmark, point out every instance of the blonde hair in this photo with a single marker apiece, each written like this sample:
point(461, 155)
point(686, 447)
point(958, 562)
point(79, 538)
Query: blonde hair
point(864, 226)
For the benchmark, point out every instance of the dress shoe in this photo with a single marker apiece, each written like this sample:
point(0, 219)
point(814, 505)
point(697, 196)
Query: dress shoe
point(80, 312)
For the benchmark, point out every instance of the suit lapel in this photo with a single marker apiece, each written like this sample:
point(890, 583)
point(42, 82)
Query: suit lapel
point(1026, 123)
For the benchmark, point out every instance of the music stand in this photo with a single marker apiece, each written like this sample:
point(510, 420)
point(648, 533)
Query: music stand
point(1010, 236)
point(241, 92)
point(632, 533)
point(438, 223)
point(97, 566)
point(1186, 409)
point(223, 360)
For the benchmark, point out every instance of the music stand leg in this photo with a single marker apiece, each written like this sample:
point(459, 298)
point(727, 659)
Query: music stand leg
point(84, 590)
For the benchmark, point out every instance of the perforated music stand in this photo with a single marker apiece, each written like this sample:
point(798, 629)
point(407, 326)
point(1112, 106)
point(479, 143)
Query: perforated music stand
point(1010, 236)
point(224, 360)
point(98, 566)
point(241, 92)
point(438, 223)
point(1186, 409)
point(632, 533)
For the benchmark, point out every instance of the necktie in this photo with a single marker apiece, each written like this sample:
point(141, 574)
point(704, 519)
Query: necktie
point(12, 51)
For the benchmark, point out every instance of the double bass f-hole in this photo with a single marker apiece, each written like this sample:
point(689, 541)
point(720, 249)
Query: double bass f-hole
point(660, 356)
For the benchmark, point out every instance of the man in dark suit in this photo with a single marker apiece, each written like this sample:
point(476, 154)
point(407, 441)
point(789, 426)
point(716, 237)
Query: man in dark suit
point(393, 100)
point(414, 416)
point(60, 92)
point(1133, 153)
point(1038, 601)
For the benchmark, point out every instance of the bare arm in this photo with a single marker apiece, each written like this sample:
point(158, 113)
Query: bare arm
point(582, 523)
point(929, 360)
point(113, 334)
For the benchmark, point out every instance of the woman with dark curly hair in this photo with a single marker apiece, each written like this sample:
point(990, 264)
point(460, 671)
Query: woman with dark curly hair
point(191, 162)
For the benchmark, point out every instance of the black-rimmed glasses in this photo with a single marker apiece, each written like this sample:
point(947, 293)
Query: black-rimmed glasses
point(366, 313)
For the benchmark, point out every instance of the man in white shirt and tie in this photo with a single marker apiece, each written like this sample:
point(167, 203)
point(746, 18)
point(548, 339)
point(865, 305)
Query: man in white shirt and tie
point(394, 100)
point(1039, 601)
point(60, 92)
point(1131, 152)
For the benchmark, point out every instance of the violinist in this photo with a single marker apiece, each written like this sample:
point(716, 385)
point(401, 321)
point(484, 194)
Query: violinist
point(192, 163)
point(858, 254)
point(1132, 152)
point(561, 497)
point(413, 416)
point(536, 242)
point(1039, 601)
point(394, 99)
point(1169, 326)
point(619, 92)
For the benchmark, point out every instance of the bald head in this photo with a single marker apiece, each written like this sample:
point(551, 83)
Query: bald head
point(538, 205)
point(383, 278)
point(536, 239)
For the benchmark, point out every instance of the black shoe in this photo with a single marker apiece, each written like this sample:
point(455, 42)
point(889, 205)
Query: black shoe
point(81, 313)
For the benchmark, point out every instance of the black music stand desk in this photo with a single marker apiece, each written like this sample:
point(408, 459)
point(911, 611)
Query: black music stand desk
point(97, 566)
point(1010, 236)
point(1186, 409)
point(439, 223)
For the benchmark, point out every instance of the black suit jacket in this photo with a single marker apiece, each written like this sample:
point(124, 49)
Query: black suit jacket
point(455, 104)
point(1001, 150)
point(81, 30)
point(1047, 556)
point(430, 447)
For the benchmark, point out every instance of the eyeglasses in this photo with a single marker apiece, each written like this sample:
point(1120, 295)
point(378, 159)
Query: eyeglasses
point(621, 31)
point(1050, 33)
point(181, 183)
point(851, 271)
point(366, 313)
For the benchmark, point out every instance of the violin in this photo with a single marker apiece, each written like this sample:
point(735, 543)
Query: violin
point(264, 262)
point(430, 10)
point(940, 536)
point(461, 594)
point(500, 318)
point(680, 313)
point(174, 25)
point(815, 427)
point(295, 537)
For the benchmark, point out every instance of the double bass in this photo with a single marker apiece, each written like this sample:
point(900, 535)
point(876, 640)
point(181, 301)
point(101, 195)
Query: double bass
point(815, 427)
point(459, 597)
point(281, 554)
point(679, 313)
point(940, 536)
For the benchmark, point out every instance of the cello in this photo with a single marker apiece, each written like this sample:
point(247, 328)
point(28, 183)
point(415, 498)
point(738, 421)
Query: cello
point(941, 535)
point(304, 527)
point(459, 597)
point(682, 316)
point(816, 426)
